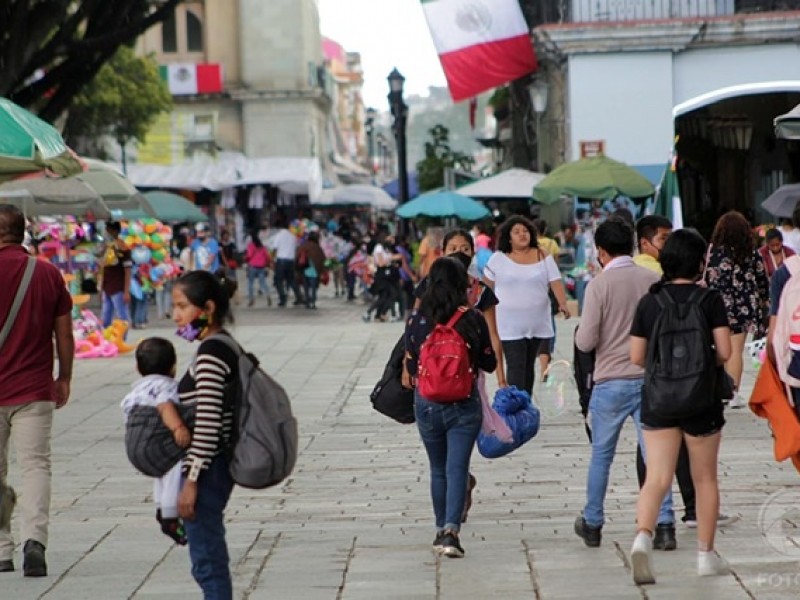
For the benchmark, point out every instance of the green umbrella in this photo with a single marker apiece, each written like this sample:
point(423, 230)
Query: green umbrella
point(597, 177)
point(168, 207)
point(444, 204)
point(28, 144)
point(668, 197)
point(114, 188)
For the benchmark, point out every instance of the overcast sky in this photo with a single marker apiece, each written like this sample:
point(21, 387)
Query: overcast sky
point(388, 34)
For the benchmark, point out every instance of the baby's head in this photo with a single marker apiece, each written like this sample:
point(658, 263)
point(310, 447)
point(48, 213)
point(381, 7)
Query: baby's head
point(156, 356)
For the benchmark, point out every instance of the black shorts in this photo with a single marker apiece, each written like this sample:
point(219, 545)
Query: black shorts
point(702, 424)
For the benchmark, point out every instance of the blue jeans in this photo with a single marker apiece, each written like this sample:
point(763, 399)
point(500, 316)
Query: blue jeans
point(139, 310)
point(310, 285)
point(612, 402)
point(207, 547)
point(114, 304)
point(449, 432)
point(253, 274)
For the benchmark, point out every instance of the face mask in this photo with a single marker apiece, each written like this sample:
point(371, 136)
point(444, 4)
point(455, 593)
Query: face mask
point(193, 330)
point(464, 259)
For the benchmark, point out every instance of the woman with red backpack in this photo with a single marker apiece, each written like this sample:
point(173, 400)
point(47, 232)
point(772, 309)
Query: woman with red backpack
point(446, 344)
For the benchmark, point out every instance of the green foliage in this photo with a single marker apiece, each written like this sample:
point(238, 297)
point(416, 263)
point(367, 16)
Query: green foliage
point(123, 101)
point(438, 157)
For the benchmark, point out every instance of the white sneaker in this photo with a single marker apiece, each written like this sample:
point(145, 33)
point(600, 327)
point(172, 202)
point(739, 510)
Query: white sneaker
point(641, 552)
point(711, 563)
point(737, 402)
point(723, 520)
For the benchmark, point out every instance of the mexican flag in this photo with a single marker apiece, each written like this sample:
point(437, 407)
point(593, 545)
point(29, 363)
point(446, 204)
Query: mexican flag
point(189, 79)
point(481, 43)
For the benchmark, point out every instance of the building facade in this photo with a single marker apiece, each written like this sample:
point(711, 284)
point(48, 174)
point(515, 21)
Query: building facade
point(626, 78)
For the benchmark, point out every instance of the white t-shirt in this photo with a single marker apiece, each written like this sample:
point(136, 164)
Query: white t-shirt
point(792, 239)
point(285, 245)
point(150, 390)
point(524, 308)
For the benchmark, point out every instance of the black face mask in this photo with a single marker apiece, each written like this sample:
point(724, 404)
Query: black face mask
point(464, 259)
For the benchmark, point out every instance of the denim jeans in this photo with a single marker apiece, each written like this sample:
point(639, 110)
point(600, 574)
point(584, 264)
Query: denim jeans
point(256, 274)
point(612, 402)
point(164, 299)
point(284, 276)
point(448, 432)
point(139, 310)
point(310, 285)
point(207, 547)
point(114, 304)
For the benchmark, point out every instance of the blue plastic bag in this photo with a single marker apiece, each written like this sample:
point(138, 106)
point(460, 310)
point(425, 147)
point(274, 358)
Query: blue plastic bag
point(517, 410)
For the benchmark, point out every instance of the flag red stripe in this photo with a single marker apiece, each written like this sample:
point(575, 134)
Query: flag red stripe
point(475, 69)
point(209, 78)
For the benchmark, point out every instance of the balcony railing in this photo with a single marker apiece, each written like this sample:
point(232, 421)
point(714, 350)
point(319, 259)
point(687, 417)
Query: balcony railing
point(589, 11)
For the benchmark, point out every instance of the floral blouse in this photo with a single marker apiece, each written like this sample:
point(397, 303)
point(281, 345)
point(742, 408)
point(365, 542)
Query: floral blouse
point(744, 289)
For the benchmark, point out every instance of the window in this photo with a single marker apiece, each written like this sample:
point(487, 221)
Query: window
point(194, 32)
point(169, 35)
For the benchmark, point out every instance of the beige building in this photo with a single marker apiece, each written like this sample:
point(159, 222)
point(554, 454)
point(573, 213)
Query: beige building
point(246, 75)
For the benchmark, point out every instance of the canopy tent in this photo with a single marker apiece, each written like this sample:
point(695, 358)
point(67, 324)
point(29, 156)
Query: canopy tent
point(513, 183)
point(782, 202)
point(294, 175)
point(356, 195)
point(28, 145)
point(596, 177)
point(167, 207)
point(393, 187)
point(444, 203)
point(52, 196)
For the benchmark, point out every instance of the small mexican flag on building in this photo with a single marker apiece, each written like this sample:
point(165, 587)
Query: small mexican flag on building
point(481, 43)
point(189, 79)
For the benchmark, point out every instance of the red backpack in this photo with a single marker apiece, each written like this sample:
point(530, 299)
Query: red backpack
point(445, 373)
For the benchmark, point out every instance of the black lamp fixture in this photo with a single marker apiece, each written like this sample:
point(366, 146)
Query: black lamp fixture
point(369, 129)
point(400, 114)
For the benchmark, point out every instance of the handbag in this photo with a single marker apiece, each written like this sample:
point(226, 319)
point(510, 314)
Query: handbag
point(493, 424)
point(389, 397)
point(27, 275)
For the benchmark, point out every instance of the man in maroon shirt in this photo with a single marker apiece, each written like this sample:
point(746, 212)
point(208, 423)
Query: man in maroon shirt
point(28, 392)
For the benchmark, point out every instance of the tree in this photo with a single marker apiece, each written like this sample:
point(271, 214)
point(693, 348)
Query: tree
point(123, 101)
point(438, 157)
point(50, 49)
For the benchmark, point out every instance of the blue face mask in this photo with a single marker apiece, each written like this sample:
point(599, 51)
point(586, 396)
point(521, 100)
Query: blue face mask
point(193, 330)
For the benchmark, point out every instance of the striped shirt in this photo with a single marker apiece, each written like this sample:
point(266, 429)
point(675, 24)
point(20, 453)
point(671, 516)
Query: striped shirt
point(204, 385)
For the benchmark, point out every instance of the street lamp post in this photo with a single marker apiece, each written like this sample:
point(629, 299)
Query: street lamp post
point(400, 114)
point(369, 129)
point(538, 92)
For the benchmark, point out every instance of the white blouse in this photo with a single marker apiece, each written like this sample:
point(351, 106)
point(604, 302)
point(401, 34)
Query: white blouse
point(524, 308)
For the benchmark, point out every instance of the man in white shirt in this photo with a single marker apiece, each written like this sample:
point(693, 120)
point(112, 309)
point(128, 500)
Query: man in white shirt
point(284, 244)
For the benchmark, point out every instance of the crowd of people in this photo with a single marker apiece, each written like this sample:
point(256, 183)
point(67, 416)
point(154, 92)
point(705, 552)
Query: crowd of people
point(499, 292)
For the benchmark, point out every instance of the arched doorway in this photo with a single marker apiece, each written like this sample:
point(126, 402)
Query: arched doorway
point(728, 156)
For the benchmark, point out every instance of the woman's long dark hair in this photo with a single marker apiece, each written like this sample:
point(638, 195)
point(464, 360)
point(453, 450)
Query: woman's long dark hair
point(504, 233)
point(201, 286)
point(256, 240)
point(458, 233)
point(733, 233)
point(446, 291)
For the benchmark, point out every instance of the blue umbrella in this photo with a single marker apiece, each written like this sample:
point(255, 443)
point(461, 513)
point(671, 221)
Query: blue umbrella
point(393, 187)
point(444, 204)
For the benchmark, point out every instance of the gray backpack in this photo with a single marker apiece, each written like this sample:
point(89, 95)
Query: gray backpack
point(263, 448)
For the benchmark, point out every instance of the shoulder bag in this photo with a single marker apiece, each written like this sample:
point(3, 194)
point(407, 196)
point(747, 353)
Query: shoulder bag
point(18, 298)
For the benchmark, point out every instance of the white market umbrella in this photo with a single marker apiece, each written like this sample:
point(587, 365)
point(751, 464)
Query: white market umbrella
point(513, 183)
point(54, 196)
point(356, 195)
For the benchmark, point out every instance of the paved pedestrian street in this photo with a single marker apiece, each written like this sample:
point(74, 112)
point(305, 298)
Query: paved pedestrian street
point(354, 521)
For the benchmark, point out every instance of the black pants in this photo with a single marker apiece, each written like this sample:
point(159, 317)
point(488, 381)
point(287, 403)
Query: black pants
point(520, 357)
point(284, 276)
point(684, 474)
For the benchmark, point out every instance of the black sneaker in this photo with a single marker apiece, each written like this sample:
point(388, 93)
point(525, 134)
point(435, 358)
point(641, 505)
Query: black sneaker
point(450, 545)
point(437, 542)
point(33, 563)
point(664, 537)
point(591, 535)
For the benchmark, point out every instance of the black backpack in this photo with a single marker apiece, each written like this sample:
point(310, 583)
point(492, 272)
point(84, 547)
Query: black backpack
point(681, 368)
